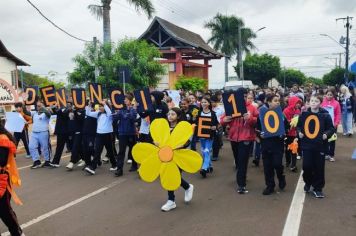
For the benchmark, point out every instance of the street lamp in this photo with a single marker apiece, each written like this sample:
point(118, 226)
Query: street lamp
point(326, 35)
point(264, 27)
point(240, 52)
point(347, 55)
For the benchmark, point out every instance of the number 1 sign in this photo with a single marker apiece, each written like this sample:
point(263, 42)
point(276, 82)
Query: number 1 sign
point(234, 103)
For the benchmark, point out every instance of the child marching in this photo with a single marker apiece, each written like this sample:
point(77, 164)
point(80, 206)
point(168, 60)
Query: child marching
point(242, 135)
point(272, 150)
point(175, 115)
point(206, 144)
point(315, 127)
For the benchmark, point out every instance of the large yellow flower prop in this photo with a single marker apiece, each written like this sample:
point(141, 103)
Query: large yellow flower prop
point(165, 158)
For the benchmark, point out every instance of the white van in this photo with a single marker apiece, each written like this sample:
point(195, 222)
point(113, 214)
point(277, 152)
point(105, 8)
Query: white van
point(235, 84)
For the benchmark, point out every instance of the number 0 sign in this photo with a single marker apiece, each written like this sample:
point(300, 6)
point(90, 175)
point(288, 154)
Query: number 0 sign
point(308, 126)
point(272, 122)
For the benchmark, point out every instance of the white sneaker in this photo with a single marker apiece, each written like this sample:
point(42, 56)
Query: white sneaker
point(54, 165)
point(113, 168)
point(70, 166)
point(188, 194)
point(332, 159)
point(81, 163)
point(89, 170)
point(105, 159)
point(170, 205)
point(299, 157)
point(129, 161)
point(327, 157)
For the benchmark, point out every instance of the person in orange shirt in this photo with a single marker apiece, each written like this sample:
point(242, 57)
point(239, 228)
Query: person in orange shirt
point(24, 134)
point(9, 177)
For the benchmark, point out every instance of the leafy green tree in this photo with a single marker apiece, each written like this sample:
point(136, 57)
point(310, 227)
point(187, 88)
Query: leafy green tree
point(103, 12)
point(335, 77)
point(138, 56)
point(291, 76)
point(224, 36)
point(191, 83)
point(40, 81)
point(260, 68)
point(313, 81)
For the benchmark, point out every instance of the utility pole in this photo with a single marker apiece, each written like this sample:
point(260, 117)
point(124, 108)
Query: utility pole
point(348, 27)
point(96, 72)
point(240, 57)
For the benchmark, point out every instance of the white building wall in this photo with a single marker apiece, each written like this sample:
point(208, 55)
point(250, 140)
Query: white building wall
point(6, 66)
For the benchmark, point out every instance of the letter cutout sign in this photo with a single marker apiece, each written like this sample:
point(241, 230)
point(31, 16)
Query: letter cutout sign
point(61, 97)
point(203, 129)
point(31, 93)
point(96, 93)
point(79, 97)
point(272, 122)
point(143, 98)
point(234, 103)
point(117, 98)
point(49, 95)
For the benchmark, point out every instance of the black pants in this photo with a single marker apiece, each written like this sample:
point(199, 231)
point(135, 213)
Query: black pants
point(241, 151)
point(184, 184)
point(217, 144)
point(76, 148)
point(145, 138)
point(62, 139)
point(88, 142)
point(124, 142)
point(272, 162)
point(102, 140)
point(8, 215)
point(291, 158)
point(314, 169)
point(331, 149)
point(69, 143)
point(24, 137)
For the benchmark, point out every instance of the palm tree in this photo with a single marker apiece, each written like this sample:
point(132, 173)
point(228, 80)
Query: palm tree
point(224, 36)
point(103, 12)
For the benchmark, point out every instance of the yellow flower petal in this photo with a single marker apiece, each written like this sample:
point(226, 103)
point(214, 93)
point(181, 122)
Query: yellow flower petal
point(170, 176)
point(150, 168)
point(141, 151)
point(160, 131)
point(180, 135)
point(188, 160)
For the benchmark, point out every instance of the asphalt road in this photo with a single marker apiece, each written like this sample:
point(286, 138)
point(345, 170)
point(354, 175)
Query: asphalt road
point(58, 202)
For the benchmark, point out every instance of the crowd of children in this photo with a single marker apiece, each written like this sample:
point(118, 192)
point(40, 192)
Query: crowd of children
point(87, 131)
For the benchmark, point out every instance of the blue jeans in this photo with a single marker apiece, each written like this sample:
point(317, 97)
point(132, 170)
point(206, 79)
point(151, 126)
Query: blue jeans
point(347, 122)
point(39, 139)
point(206, 146)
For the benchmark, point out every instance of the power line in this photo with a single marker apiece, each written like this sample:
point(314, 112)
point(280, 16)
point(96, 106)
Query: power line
point(55, 25)
point(310, 55)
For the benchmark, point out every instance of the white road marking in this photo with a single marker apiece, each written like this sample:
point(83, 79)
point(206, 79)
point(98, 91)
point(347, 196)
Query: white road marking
point(66, 206)
point(25, 167)
point(65, 156)
point(291, 227)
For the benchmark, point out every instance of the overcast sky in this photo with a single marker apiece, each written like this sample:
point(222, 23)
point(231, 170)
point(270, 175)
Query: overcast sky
point(292, 30)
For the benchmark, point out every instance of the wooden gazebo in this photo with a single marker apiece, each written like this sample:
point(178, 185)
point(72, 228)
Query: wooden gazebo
point(180, 49)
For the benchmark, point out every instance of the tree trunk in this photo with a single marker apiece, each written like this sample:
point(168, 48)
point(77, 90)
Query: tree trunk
point(226, 68)
point(106, 20)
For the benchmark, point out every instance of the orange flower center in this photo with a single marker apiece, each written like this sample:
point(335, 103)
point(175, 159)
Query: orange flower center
point(165, 154)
